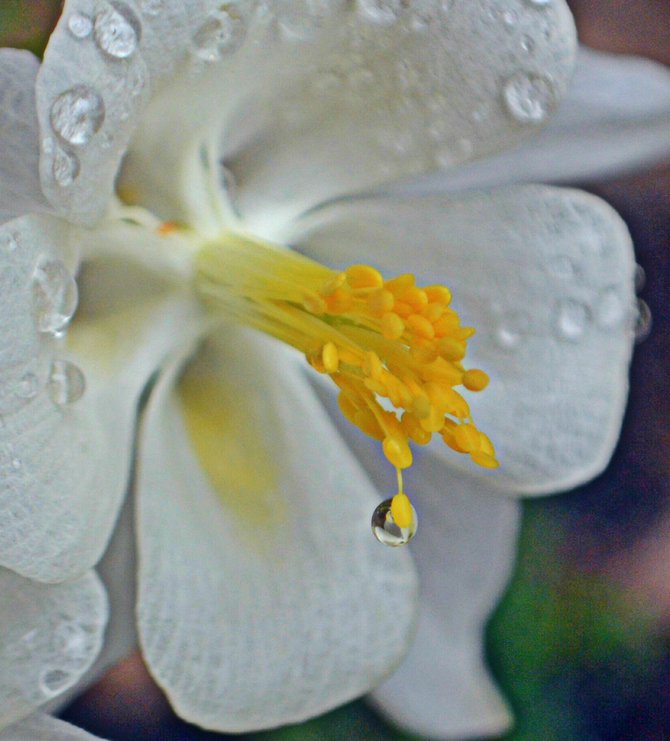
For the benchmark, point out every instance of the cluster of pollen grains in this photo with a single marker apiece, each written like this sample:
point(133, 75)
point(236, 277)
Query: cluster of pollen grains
point(394, 349)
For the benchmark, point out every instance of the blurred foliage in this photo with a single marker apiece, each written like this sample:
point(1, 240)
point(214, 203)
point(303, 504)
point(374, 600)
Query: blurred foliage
point(27, 24)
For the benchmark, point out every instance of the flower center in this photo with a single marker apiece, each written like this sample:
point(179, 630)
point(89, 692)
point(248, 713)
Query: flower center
point(394, 349)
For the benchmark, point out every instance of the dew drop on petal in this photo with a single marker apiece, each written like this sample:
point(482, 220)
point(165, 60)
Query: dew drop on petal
point(610, 309)
point(66, 382)
point(527, 43)
point(528, 97)
point(510, 18)
point(643, 321)
point(65, 168)
point(117, 31)
point(55, 295)
point(53, 681)
point(77, 114)
point(382, 12)
point(572, 318)
point(79, 25)
point(27, 386)
point(222, 33)
point(385, 529)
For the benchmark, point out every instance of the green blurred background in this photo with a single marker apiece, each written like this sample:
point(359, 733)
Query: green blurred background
point(581, 642)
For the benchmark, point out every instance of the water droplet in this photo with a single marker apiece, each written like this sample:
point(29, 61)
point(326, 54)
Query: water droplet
point(27, 386)
point(77, 114)
point(65, 168)
point(539, 3)
point(55, 295)
point(528, 97)
point(385, 529)
point(610, 309)
point(528, 44)
point(66, 382)
point(640, 278)
point(562, 266)
point(79, 25)
point(572, 319)
point(382, 12)
point(53, 681)
point(222, 33)
point(511, 329)
point(117, 31)
point(510, 18)
point(643, 321)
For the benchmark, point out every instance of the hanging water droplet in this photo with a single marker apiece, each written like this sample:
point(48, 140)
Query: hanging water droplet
point(53, 681)
point(66, 382)
point(385, 529)
point(55, 295)
point(27, 386)
point(382, 12)
point(528, 97)
point(117, 31)
point(643, 321)
point(77, 114)
point(222, 33)
point(65, 168)
point(640, 278)
point(610, 308)
point(572, 318)
point(79, 25)
point(562, 266)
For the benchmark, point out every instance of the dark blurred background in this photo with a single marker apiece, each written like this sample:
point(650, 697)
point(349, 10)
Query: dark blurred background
point(581, 643)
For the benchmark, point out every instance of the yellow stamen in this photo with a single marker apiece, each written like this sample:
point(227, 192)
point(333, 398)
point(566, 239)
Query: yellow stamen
point(393, 348)
point(401, 509)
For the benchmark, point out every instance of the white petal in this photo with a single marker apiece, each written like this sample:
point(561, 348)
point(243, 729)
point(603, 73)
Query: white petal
point(615, 117)
point(546, 277)
point(264, 600)
point(303, 101)
point(52, 455)
point(20, 190)
point(41, 727)
point(50, 636)
point(464, 550)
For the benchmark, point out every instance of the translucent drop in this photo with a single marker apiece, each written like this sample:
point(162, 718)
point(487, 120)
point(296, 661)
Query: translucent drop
point(511, 330)
point(65, 168)
point(382, 12)
point(610, 309)
point(55, 295)
point(528, 97)
point(222, 33)
point(562, 266)
point(79, 25)
point(640, 278)
point(385, 529)
point(77, 114)
point(643, 321)
point(53, 681)
point(572, 319)
point(510, 18)
point(66, 382)
point(117, 31)
point(27, 386)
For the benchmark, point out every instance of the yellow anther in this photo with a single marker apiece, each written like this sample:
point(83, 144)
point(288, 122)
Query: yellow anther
point(314, 304)
point(467, 437)
point(423, 352)
point(484, 459)
point(475, 380)
point(372, 365)
point(485, 444)
point(434, 421)
point(397, 284)
point(401, 510)
point(451, 349)
point(380, 302)
point(447, 324)
point(333, 284)
point(410, 426)
point(433, 312)
point(438, 294)
point(339, 301)
point(413, 296)
point(420, 326)
point(392, 326)
point(330, 357)
point(397, 451)
point(420, 407)
point(363, 276)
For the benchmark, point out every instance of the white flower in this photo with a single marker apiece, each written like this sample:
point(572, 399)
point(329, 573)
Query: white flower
point(263, 598)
